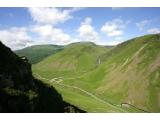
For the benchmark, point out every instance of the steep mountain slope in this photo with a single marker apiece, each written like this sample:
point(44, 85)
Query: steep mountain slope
point(134, 68)
point(126, 76)
point(21, 92)
point(37, 53)
point(75, 59)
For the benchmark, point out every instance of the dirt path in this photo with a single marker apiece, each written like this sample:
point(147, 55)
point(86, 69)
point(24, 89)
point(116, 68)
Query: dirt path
point(136, 54)
point(91, 95)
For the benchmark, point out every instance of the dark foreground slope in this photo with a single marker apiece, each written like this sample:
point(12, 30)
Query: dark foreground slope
point(37, 53)
point(21, 92)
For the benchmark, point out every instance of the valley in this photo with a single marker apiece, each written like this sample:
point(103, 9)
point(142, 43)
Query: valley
point(80, 60)
point(113, 74)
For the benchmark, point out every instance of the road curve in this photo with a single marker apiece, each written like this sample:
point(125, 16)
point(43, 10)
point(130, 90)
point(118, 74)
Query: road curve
point(86, 92)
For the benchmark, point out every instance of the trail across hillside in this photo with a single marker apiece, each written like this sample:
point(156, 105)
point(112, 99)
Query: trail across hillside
point(90, 94)
point(55, 80)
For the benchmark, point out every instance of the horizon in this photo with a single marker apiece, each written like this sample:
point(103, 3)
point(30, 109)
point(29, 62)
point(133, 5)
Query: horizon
point(63, 26)
point(87, 42)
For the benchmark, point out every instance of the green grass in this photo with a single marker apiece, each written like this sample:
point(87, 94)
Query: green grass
point(83, 101)
point(75, 58)
point(38, 52)
point(128, 73)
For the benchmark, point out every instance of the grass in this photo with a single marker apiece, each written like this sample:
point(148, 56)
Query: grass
point(127, 73)
point(37, 53)
point(83, 101)
point(76, 58)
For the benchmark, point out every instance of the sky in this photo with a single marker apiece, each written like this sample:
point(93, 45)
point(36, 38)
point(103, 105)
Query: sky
point(23, 27)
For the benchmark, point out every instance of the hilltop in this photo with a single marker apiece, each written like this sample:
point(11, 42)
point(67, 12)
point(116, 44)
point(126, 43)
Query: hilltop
point(74, 59)
point(37, 53)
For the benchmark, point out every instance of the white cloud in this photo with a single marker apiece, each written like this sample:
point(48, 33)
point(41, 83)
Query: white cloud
point(15, 38)
point(51, 15)
point(115, 41)
point(87, 21)
point(142, 24)
point(113, 28)
point(87, 32)
point(44, 30)
point(18, 38)
point(154, 30)
point(49, 34)
point(47, 18)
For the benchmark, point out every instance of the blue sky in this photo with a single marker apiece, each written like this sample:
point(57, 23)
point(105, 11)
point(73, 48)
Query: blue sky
point(22, 27)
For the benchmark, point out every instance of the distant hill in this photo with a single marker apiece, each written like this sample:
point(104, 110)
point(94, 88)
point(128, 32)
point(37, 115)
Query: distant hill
point(21, 92)
point(76, 58)
point(37, 53)
point(123, 78)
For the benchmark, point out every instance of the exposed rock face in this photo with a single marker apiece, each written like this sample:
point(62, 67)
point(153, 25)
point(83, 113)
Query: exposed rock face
point(21, 92)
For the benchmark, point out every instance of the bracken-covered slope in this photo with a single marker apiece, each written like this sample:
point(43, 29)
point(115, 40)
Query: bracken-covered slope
point(37, 53)
point(21, 92)
point(126, 76)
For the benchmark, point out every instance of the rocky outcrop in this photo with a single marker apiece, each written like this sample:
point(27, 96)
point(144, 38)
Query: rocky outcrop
point(21, 92)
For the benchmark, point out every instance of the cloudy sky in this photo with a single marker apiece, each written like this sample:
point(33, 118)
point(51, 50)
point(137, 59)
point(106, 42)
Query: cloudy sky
point(22, 27)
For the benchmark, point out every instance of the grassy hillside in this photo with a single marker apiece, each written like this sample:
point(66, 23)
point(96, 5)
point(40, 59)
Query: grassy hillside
point(133, 67)
point(124, 78)
point(38, 52)
point(75, 59)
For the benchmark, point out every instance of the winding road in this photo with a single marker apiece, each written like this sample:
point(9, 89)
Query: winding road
point(59, 80)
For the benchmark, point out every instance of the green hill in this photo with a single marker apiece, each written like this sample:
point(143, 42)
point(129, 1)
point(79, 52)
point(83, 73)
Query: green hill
point(134, 68)
point(37, 53)
point(124, 78)
point(21, 92)
point(75, 59)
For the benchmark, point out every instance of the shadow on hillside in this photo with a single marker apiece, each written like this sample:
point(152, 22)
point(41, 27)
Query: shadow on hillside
point(21, 92)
